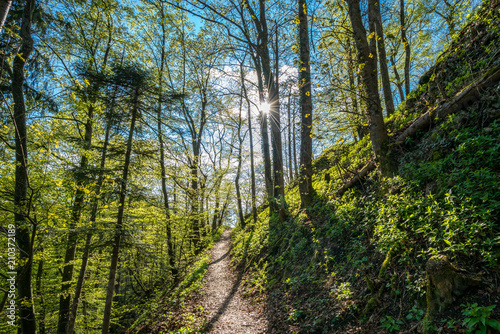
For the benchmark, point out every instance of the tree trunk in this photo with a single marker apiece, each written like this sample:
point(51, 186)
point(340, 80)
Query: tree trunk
point(276, 144)
point(24, 231)
point(367, 56)
point(296, 168)
point(238, 172)
point(252, 166)
point(382, 57)
point(406, 45)
point(119, 222)
point(290, 122)
point(305, 179)
point(39, 292)
point(170, 248)
point(4, 11)
point(67, 275)
point(88, 240)
point(265, 134)
point(398, 80)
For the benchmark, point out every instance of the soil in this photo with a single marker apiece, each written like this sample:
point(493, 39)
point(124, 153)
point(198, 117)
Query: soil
point(228, 311)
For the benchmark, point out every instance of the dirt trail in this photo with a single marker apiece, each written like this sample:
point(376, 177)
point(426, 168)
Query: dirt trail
point(228, 311)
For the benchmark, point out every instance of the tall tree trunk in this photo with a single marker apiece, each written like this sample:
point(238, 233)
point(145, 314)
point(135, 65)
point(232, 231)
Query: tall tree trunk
point(367, 56)
point(252, 166)
point(382, 57)
point(296, 168)
point(277, 198)
point(170, 248)
point(290, 122)
point(119, 221)
point(39, 292)
point(276, 144)
point(240, 149)
point(67, 275)
point(353, 88)
point(265, 134)
point(305, 179)
point(88, 240)
point(398, 80)
point(406, 44)
point(25, 232)
point(217, 204)
point(238, 173)
point(4, 11)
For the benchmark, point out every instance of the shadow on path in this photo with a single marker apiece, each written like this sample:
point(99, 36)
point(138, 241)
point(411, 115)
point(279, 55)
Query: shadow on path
point(220, 259)
point(226, 302)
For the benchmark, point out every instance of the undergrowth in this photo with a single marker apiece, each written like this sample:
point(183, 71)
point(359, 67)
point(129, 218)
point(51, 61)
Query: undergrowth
point(357, 263)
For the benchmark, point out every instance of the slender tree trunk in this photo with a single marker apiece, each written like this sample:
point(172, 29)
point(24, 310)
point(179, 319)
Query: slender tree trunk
point(276, 143)
point(398, 80)
point(367, 56)
point(406, 44)
point(217, 204)
point(39, 292)
point(4, 11)
point(25, 232)
point(252, 166)
point(294, 146)
point(265, 134)
point(88, 240)
point(305, 179)
point(290, 122)
point(353, 88)
point(196, 237)
point(384, 71)
point(67, 276)
point(119, 222)
point(170, 248)
point(240, 149)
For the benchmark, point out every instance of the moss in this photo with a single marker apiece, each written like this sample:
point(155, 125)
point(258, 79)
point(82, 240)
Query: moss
point(394, 289)
point(436, 155)
point(370, 284)
point(387, 261)
point(370, 306)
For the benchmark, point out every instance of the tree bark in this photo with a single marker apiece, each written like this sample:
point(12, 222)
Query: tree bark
point(41, 318)
point(25, 232)
point(93, 216)
point(4, 11)
point(252, 166)
point(67, 276)
point(296, 168)
point(290, 122)
point(398, 80)
point(382, 57)
point(368, 63)
point(170, 248)
point(276, 143)
point(305, 178)
point(119, 222)
point(406, 44)
point(264, 133)
point(240, 149)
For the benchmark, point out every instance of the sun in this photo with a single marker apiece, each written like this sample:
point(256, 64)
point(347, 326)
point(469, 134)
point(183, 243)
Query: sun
point(264, 107)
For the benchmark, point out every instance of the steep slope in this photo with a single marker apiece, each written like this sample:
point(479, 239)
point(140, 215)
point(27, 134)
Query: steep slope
point(370, 261)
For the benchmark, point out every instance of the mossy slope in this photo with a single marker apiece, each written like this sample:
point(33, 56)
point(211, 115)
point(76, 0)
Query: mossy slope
point(357, 263)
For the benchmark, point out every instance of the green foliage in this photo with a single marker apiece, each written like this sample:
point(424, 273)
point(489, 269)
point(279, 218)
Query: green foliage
point(415, 313)
point(478, 319)
point(391, 324)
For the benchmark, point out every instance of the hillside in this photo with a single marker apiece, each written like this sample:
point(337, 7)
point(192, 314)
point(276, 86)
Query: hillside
point(415, 253)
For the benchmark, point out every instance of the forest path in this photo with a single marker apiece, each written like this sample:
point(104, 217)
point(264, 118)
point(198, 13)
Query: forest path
point(228, 311)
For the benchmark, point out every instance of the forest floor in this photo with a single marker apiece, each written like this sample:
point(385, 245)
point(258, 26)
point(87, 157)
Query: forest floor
point(221, 297)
